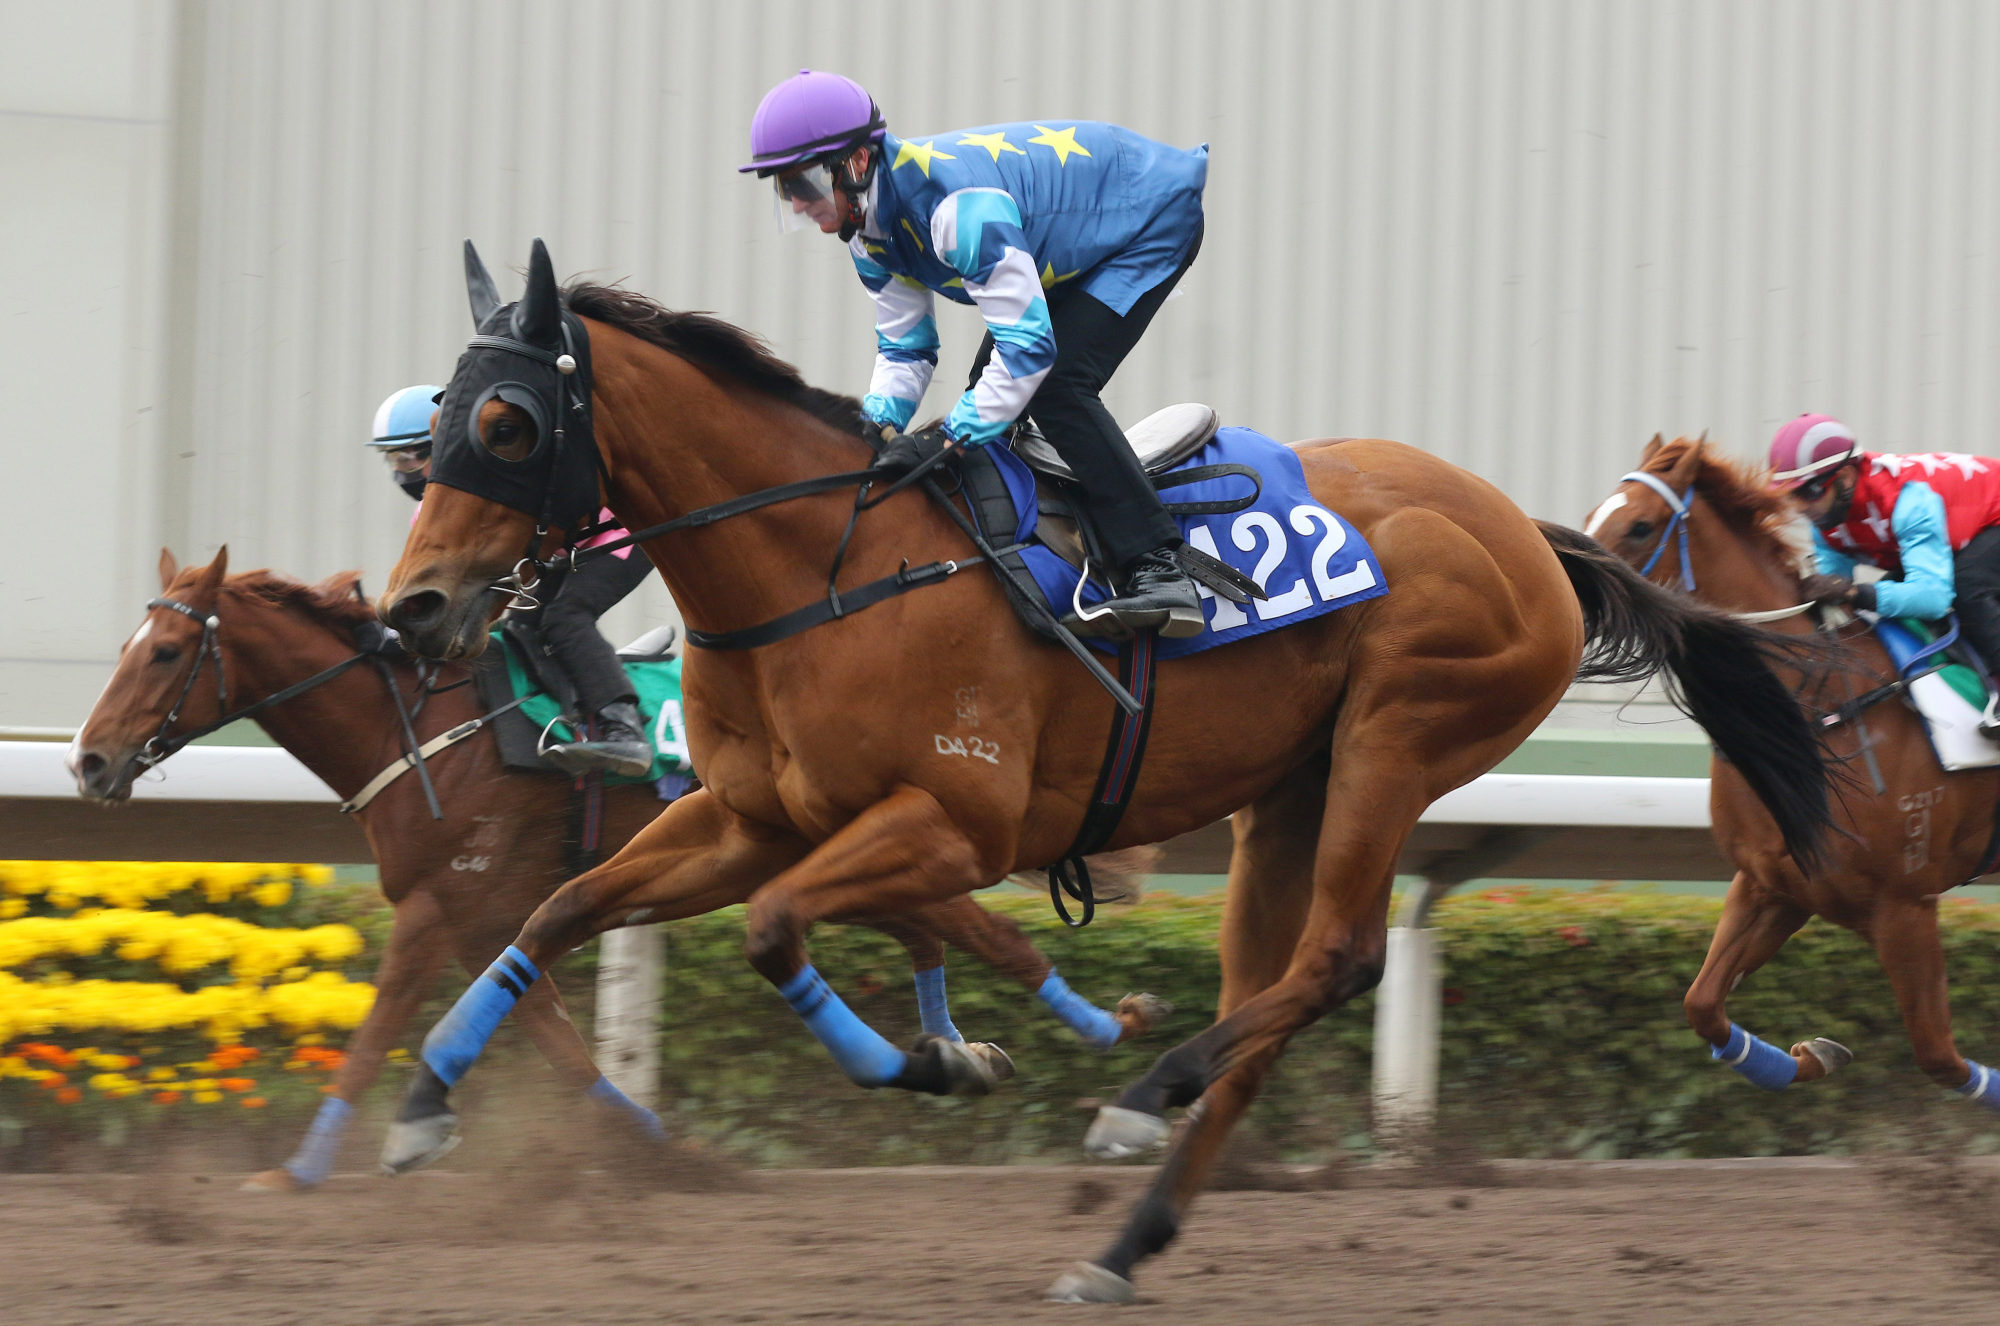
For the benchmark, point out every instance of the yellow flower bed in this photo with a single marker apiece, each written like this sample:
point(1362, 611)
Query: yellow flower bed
point(67, 885)
point(180, 944)
point(323, 1000)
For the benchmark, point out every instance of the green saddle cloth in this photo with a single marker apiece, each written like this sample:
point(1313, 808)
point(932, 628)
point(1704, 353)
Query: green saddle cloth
point(659, 689)
point(1964, 682)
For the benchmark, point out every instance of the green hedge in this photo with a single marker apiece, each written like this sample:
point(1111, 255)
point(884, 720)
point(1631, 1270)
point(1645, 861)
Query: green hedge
point(1563, 1036)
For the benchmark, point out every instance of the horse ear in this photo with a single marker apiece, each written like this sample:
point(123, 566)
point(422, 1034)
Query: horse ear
point(538, 317)
point(169, 568)
point(212, 574)
point(1651, 447)
point(479, 288)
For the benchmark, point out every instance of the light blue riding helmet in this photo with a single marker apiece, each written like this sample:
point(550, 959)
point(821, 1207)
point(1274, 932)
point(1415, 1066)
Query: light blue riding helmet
point(404, 420)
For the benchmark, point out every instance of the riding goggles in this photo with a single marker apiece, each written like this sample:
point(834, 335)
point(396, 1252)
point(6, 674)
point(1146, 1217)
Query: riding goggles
point(408, 460)
point(798, 192)
point(1811, 490)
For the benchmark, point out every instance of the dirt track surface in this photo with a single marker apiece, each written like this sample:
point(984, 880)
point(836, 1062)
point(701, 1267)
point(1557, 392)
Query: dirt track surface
point(1696, 1242)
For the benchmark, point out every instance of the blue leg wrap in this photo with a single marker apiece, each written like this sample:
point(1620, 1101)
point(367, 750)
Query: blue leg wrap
point(1098, 1028)
point(1983, 1086)
point(603, 1090)
point(931, 1006)
point(1760, 1061)
point(314, 1160)
point(456, 1041)
point(860, 1051)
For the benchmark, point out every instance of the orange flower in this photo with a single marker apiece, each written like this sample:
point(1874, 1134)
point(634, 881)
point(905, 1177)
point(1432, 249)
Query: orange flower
point(254, 1102)
point(50, 1081)
point(236, 1083)
point(166, 1097)
point(68, 1096)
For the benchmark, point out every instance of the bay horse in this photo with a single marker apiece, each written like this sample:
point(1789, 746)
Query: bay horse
point(462, 886)
point(1907, 831)
point(826, 794)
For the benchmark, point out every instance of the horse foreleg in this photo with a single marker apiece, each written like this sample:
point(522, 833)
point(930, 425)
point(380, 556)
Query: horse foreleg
point(1905, 936)
point(696, 857)
point(410, 963)
point(547, 1022)
point(1755, 924)
point(1338, 955)
point(899, 855)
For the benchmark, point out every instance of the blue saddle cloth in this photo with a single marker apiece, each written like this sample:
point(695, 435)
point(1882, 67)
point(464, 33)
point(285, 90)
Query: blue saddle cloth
point(1307, 559)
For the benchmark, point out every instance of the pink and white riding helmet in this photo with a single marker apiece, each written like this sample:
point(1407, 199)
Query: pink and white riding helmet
point(1810, 445)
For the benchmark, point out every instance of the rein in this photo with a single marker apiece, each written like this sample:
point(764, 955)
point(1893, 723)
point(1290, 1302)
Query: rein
point(1677, 525)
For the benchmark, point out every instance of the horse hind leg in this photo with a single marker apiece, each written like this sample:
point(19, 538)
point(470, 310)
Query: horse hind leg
point(1905, 936)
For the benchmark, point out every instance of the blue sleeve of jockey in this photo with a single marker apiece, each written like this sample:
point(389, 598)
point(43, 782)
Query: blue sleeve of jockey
point(977, 233)
point(1923, 541)
point(1830, 560)
point(906, 340)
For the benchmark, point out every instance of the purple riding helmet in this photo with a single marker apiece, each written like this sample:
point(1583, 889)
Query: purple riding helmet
point(1809, 447)
point(804, 131)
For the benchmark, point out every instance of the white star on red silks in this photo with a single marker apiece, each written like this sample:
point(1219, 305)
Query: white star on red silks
point(1931, 461)
point(1966, 465)
point(1874, 521)
point(1841, 537)
point(1891, 464)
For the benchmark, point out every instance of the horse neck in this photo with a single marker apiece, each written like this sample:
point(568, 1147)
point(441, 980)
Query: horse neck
point(1742, 570)
point(675, 439)
point(344, 730)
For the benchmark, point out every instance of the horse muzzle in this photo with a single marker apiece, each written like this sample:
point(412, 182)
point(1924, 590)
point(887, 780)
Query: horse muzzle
point(105, 778)
point(440, 624)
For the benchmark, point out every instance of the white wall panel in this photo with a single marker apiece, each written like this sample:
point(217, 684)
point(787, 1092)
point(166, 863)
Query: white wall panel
point(1524, 234)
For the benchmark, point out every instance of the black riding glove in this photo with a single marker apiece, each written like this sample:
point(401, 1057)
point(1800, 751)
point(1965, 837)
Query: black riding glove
point(905, 451)
point(1828, 589)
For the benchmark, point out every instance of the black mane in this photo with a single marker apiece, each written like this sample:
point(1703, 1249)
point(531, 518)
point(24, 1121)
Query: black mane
point(710, 343)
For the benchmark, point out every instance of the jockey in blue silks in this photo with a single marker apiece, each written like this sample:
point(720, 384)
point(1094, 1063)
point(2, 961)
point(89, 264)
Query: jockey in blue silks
point(1067, 236)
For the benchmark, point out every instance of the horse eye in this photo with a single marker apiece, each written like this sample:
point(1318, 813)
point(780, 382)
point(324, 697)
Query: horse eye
point(1640, 529)
point(166, 653)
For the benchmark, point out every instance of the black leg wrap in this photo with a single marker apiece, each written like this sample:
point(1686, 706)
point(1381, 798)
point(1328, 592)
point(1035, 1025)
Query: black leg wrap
point(1151, 1227)
point(1177, 1077)
point(426, 1098)
point(923, 1069)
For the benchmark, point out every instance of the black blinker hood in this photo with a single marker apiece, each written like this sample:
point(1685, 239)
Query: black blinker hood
point(515, 357)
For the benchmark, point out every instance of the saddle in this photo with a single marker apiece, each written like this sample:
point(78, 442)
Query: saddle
point(519, 731)
point(1946, 684)
point(1226, 487)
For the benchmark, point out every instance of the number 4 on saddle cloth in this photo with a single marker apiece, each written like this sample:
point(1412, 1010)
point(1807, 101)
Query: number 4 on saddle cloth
point(1256, 516)
point(542, 716)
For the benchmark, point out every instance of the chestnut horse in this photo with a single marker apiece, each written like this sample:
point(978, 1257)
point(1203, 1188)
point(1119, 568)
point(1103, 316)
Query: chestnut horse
point(273, 633)
point(1909, 831)
point(825, 793)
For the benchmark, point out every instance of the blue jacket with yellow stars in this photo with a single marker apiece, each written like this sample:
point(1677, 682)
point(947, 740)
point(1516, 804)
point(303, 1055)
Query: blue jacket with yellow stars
point(993, 217)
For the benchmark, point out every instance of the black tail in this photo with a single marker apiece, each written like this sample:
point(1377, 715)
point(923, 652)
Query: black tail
point(1720, 673)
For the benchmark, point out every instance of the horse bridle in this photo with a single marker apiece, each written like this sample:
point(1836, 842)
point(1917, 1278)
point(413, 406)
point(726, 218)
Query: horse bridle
point(1682, 506)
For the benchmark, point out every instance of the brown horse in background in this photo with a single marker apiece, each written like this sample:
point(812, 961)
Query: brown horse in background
point(825, 795)
point(1899, 847)
point(275, 633)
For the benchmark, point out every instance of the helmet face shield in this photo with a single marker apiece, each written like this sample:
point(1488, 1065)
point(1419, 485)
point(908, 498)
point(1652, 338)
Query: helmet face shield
point(802, 196)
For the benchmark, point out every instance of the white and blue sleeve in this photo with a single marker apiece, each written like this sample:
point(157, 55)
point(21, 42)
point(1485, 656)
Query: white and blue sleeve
point(978, 234)
point(906, 340)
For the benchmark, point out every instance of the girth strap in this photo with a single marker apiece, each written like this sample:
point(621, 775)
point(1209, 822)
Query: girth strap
point(834, 606)
point(1123, 753)
point(406, 762)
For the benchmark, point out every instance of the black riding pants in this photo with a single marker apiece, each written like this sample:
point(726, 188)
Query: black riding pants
point(1976, 576)
point(569, 626)
point(1091, 342)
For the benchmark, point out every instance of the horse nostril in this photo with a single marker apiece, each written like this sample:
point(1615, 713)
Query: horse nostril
point(417, 611)
point(90, 768)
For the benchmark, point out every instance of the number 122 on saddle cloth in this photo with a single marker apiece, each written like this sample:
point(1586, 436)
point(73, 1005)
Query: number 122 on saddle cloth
point(1308, 560)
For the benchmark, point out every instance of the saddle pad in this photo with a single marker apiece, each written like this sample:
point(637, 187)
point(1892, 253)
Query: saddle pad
point(1307, 559)
point(658, 685)
point(1949, 700)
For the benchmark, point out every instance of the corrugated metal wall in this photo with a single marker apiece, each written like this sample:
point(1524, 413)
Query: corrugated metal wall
point(1524, 234)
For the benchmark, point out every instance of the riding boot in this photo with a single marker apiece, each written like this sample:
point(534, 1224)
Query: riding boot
point(1155, 594)
point(620, 747)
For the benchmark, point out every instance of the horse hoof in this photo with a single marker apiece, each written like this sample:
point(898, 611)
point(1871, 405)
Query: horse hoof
point(273, 1180)
point(1087, 1282)
point(420, 1142)
point(1832, 1055)
point(974, 1068)
point(1117, 1132)
point(1146, 1012)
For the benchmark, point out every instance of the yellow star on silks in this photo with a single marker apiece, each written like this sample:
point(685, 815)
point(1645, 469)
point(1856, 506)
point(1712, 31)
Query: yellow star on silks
point(956, 281)
point(913, 234)
point(1060, 141)
point(1049, 277)
point(994, 143)
point(921, 153)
